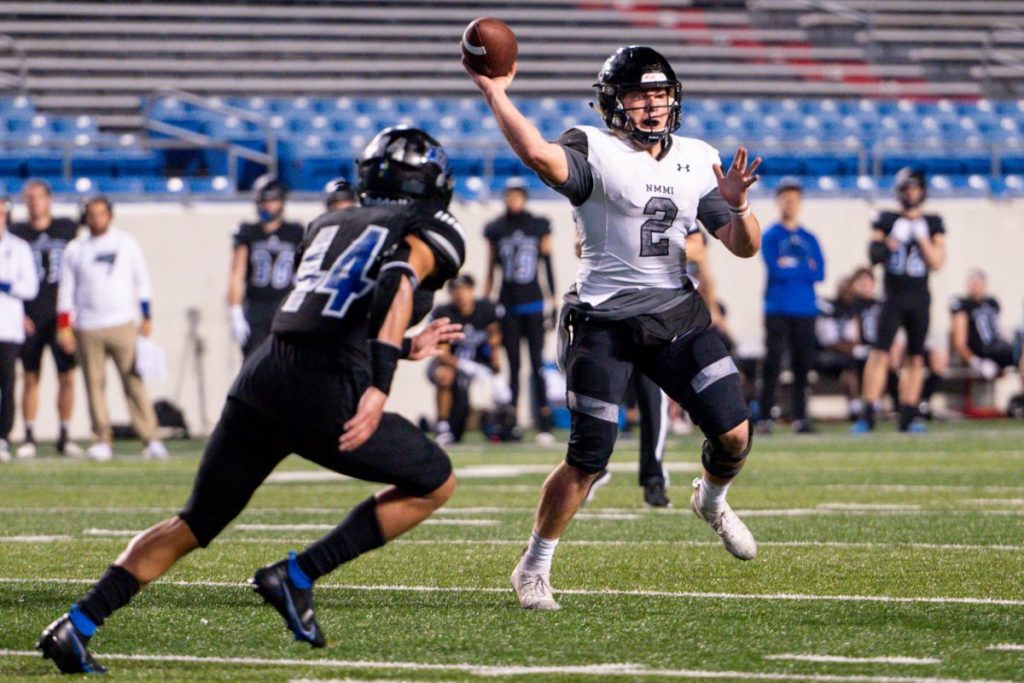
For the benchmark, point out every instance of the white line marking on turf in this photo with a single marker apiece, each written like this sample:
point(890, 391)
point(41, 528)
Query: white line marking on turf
point(836, 659)
point(782, 597)
point(490, 670)
point(118, 533)
point(1006, 647)
point(459, 522)
point(490, 471)
point(33, 539)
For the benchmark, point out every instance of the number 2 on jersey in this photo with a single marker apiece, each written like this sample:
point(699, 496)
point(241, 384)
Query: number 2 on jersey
point(345, 281)
point(652, 239)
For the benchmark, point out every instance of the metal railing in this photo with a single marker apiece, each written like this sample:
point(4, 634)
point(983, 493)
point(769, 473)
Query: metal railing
point(190, 139)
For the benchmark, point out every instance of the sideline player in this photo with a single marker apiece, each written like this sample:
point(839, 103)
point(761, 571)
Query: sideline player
point(976, 335)
point(364, 276)
point(519, 244)
point(262, 265)
point(636, 191)
point(48, 236)
point(339, 194)
point(910, 244)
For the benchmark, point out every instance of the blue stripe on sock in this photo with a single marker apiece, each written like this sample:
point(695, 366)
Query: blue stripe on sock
point(295, 573)
point(82, 623)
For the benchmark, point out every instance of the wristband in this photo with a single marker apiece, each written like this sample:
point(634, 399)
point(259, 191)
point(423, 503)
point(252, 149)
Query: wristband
point(5, 287)
point(740, 212)
point(144, 306)
point(406, 347)
point(63, 320)
point(383, 362)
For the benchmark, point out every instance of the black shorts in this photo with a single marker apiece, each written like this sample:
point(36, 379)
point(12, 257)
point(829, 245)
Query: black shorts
point(45, 335)
point(913, 315)
point(696, 371)
point(247, 445)
point(832, 363)
point(1005, 355)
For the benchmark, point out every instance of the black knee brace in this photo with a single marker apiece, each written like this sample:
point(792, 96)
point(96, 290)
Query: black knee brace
point(721, 463)
point(591, 442)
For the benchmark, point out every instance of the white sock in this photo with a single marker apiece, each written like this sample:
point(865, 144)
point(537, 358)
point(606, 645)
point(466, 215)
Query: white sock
point(714, 494)
point(442, 426)
point(539, 552)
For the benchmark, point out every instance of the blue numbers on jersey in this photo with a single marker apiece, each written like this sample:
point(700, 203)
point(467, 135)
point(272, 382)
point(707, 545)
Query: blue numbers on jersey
point(907, 260)
point(345, 281)
point(270, 271)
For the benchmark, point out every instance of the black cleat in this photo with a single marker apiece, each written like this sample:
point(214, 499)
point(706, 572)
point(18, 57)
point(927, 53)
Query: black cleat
point(294, 604)
point(68, 648)
point(655, 496)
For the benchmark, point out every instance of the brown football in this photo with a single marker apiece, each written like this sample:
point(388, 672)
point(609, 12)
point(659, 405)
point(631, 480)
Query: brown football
point(489, 47)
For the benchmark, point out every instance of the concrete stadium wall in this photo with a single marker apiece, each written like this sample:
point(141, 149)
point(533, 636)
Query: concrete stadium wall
point(188, 245)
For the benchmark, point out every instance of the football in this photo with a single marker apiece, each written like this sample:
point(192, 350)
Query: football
point(489, 47)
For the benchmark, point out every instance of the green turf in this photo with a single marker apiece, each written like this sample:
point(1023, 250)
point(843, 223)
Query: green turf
point(937, 516)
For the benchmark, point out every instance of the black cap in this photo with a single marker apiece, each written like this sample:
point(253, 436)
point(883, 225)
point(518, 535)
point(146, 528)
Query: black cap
point(463, 280)
point(789, 183)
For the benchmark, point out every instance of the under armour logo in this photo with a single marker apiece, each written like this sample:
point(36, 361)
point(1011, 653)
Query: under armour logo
point(680, 167)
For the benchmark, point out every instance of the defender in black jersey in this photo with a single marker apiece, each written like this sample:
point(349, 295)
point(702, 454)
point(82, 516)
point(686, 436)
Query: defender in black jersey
point(365, 274)
point(48, 236)
point(475, 356)
point(976, 336)
point(910, 245)
point(262, 265)
point(520, 245)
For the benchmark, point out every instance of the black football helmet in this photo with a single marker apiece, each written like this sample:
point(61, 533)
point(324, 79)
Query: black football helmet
point(906, 177)
point(269, 187)
point(403, 164)
point(339, 190)
point(635, 68)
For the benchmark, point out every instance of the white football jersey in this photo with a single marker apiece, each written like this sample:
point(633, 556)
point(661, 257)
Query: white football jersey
point(634, 224)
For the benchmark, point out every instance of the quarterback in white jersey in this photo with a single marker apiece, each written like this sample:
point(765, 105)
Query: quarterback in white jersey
point(637, 192)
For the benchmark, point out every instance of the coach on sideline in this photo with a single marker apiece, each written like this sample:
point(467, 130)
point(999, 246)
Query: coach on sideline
point(104, 286)
point(18, 283)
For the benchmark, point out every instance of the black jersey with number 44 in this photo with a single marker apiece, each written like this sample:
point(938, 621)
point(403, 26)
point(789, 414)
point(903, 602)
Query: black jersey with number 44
point(271, 262)
point(982, 322)
point(906, 271)
point(342, 255)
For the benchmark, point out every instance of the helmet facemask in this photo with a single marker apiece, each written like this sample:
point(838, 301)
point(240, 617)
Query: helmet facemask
point(629, 70)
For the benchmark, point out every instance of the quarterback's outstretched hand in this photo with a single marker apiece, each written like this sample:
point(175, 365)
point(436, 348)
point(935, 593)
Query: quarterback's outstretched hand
point(440, 331)
point(488, 84)
point(364, 423)
point(734, 184)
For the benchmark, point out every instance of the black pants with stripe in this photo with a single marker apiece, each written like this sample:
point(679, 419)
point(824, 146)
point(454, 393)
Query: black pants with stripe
point(695, 370)
point(515, 327)
point(652, 405)
point(8, 360)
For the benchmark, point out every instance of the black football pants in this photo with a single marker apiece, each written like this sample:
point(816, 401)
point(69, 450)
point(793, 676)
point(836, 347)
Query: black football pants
point(796, 334)
point(514, 328)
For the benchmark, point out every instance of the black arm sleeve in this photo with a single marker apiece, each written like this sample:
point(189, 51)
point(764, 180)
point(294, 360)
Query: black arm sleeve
point(580, 183)
point(549, 273)
point(877, 252)
point(713, 212)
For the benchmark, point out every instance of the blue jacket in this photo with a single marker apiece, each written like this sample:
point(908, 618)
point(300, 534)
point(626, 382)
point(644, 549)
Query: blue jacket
point(790, 289)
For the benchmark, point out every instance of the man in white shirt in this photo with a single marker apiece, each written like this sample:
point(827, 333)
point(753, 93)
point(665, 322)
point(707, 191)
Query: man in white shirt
point(18, 283)
point(104, 286)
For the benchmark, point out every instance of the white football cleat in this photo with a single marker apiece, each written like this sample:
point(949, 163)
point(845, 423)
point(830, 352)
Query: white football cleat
point(26, 450)
point(100, 452)
point(533, 590)
point(72, 450)
point(155, 450)
point(735, 535)
point(5, 451)
point(544, 439)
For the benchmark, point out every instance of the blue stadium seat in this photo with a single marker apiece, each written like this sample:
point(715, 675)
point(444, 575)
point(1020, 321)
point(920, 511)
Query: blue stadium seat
point(44, 163)
point(12, 164)
point(121, 185)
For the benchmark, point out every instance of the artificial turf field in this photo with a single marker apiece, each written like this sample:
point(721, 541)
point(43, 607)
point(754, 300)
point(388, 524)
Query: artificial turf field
point(885, 558)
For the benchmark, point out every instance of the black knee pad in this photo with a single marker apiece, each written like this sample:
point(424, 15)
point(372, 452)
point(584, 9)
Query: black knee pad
point(721, 463)
point(590, 442)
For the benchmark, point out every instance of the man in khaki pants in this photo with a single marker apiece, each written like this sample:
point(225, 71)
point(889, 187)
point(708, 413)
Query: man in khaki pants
point(104, 286)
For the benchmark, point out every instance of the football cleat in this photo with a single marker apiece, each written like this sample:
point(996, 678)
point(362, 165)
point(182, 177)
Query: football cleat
point(861, 427)
point(62, 643)
point(27, 450)
point(602, 478)
point(654, 494)
point(735, 535)
point(100, 452)
point(294, 604)
point(544, 439)
point(533, 590)
point(155, 450)
point(916, 427)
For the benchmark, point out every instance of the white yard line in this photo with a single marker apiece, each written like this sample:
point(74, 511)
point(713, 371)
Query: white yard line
point(775, 597)
point(128, 533)
point(836, 659)
point(459, 522)
point(1007, 647)
point(489, 471)
point(492, 670)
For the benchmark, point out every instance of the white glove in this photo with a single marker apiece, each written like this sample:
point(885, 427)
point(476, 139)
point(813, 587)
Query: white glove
point(861, 351)
point(986, 367)
point(920, 230)
point(239, 325)
point(901, 232)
